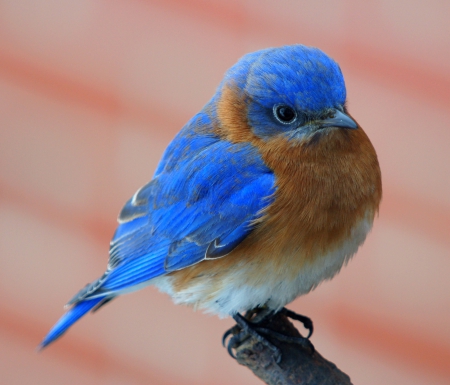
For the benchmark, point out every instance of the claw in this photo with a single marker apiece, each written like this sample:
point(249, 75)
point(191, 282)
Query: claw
point(234, 330)
point(230, 347)
point(236, 340)
point(306, 321)
point(225, 336)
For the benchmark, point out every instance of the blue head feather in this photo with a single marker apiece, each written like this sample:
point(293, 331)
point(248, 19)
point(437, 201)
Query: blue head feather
point(304, 78)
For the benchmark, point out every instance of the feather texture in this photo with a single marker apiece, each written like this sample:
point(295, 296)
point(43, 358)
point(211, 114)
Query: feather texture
point(248, 207)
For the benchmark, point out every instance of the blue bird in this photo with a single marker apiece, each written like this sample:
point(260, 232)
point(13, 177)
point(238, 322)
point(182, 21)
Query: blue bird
point(269, 190)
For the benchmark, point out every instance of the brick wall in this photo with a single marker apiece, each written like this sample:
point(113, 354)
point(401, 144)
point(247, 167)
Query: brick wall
point(91, 92)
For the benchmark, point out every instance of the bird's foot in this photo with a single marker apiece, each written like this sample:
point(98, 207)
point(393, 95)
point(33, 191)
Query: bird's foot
point(250, 325)
point(244, 330)
point(255, 316)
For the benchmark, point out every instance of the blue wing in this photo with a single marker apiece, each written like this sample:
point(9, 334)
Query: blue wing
point(200, 207)
point(201, 204)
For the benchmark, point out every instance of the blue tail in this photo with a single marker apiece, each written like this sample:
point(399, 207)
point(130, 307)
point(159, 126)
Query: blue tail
point(68, 319)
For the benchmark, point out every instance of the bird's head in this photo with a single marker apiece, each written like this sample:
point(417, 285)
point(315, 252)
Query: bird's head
point(294, 91)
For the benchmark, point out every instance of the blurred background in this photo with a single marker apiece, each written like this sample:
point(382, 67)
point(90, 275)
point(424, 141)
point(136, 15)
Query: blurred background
point(92, 91)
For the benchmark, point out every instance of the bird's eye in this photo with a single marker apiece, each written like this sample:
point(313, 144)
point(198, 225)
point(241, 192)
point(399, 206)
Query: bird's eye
point(284, 114)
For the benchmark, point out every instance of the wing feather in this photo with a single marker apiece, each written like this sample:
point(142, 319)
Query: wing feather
point(201, 204)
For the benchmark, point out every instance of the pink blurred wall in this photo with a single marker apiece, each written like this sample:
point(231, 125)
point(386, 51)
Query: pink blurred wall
point(91, 92)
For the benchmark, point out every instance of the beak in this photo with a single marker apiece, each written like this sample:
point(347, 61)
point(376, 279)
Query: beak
point(339, 120)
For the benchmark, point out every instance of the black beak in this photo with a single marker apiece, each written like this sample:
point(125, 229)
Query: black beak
point(339, 120)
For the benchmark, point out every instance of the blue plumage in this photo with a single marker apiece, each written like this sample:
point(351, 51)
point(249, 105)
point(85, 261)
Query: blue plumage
point(206, 191)
point(212, 182)
point(68, 319)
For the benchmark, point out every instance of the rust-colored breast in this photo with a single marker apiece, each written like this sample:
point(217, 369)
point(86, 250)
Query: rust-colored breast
point(324, 189)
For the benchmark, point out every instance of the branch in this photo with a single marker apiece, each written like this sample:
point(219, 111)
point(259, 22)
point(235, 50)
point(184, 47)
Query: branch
point(298, 364)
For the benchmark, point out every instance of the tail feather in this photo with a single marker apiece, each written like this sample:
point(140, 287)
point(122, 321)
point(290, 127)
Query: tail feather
point(68, 319)
point(88, 290)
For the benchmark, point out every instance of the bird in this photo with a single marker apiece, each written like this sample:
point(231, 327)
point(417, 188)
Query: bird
point(265, 193)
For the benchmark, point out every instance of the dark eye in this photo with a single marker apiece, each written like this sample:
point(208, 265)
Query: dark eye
point(284, 114)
